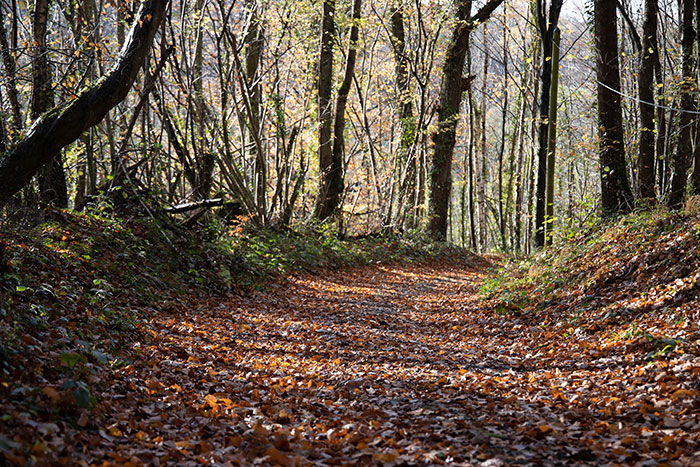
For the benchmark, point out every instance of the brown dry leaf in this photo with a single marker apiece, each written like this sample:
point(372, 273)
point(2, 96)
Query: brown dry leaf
point(682, 394)
point(52, 394)
point(83, 420)
point(389, 456)
point(281, 442)
point(670, 422)
point(276, 457)
point(260, 430)
point(235, 441)
point(155, 385)
point(627, 441)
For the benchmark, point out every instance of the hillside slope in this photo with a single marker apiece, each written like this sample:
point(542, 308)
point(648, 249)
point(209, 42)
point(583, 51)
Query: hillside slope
point(635, 281)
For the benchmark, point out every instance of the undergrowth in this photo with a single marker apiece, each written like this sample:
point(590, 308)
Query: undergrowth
point(265, 254)
point(580, 257)
point(634, 278)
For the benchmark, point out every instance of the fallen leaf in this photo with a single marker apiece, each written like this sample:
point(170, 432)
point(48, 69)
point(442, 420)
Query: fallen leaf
point(52, 394)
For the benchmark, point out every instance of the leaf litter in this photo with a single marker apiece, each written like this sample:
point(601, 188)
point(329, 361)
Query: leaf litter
point(378, 365)
point(393, 365)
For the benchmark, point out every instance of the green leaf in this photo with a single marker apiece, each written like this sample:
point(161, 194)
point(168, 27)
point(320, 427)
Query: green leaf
point(70, 359)
point(20, 288)
point(102, 358)
point(82, 397)
point(80, 392)
point(8, 445)
point(69, 384)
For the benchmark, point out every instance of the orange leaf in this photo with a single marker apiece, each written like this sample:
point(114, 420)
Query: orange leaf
point(52, 393)
point(389, 456)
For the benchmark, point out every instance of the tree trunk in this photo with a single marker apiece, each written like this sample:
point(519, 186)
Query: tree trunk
point(645, 174)
point(482, 165)
point(552, 136)
point(615, 188)
point(547, 24)
point(254, 43)
point(501, 152)
point(451, 88)
point(695, 176)
point(63, 125)
point(52, 178)
point(407, 121)
point(473, 132)
point(325, 205)
point(336, 183)
point(10, 66)
point(681, 158)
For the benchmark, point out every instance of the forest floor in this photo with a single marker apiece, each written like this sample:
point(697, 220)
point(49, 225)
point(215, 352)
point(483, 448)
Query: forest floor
point(380, 364)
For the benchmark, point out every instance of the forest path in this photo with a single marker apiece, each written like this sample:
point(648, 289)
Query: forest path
point(380, 364)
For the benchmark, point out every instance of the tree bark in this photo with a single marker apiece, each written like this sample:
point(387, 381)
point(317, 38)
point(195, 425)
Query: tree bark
point(254, 41)
point(335, 181)
point(615, 188)
point(501, 153)
point(203, 158)
point(681, 158)
point(552, 137)
point(695, 176)
point(10, 65)
point(645, 174)
point(661, 126)
point(482, 172)
point(64, 124)
point(324, 207)
point(407, 121)
point(451, 88)
point(547, 23)
point(52, 178)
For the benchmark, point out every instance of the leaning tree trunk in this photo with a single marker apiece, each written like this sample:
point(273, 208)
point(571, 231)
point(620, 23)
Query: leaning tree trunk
point(52, 178)
point(646, 176)
point(451, 88)
point(324, 207)
point(615, 188)
point(64, 124)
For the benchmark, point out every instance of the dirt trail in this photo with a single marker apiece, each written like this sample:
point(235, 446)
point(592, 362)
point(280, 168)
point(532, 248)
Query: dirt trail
point(388, 364)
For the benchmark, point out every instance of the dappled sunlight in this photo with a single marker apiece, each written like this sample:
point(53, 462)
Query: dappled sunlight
point(445, 362)
point(385, 364)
